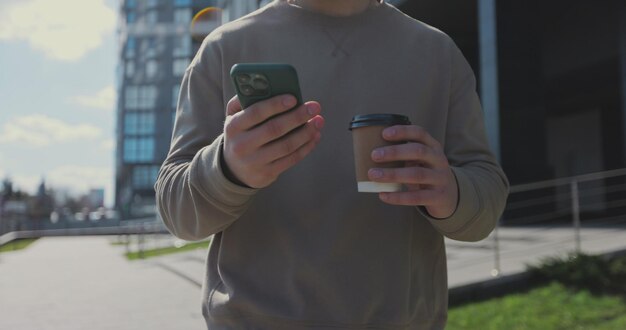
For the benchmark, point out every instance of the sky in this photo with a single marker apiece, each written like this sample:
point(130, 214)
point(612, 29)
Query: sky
point(58, 61)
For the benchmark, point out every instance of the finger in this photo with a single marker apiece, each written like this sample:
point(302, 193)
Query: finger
point(262, 111)
point(409, 152)
point(279, 126)
point(407, 175)
point(233, 106)
point(287, 162)
point(410, 133)
point(422, 197)
point(293, 141)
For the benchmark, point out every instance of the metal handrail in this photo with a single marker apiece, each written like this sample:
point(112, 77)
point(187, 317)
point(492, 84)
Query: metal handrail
point(570, 191)
point(129, 228)
point(567, 180)
point(536, 201)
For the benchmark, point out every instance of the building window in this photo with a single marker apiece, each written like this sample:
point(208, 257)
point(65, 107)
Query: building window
point(145, 176)
point(130, 47)
point(138, 149)
point(152, 66)
point(131, 4)
point(131, 17)
point(182, 46)
point(179, 66)
point(131, 96)
point(152, 17)
point(149, 47)
point(130, 69)
point(153, 3)
point(175, 93)
point(182, 3)
point(182, 15)
point(139, 123)
point(140, 97)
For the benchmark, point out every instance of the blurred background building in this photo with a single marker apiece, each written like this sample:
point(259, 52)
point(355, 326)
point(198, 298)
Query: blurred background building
point(551, 76)
point(155, 47)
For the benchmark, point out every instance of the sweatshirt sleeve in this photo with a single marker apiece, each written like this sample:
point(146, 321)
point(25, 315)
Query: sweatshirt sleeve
point(194, 198)
point(483, 186)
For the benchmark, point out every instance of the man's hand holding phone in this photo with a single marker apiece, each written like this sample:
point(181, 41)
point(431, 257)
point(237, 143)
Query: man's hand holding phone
point(269, 137)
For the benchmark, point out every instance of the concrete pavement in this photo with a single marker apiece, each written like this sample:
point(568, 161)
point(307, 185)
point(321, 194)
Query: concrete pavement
point(79, 283)
point(86, 283)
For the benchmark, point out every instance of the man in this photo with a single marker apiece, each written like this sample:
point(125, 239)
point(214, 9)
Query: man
point(296, 246)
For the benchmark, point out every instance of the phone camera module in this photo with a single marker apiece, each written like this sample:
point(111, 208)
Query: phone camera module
point(260, 83)
point(247, 90)
point(243, 78)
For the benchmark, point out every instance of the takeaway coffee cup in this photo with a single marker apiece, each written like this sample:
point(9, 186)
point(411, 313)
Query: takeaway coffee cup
point(367, 135)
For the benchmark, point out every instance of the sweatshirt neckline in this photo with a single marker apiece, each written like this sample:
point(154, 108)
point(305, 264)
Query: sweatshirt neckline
point(313, 17)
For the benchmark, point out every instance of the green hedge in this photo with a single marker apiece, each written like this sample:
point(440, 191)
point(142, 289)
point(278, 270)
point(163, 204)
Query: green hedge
point(580, 271)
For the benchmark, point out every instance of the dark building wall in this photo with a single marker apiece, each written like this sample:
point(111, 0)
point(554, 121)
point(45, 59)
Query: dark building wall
point(522, 107)
point(622, 56)
point(560, 86)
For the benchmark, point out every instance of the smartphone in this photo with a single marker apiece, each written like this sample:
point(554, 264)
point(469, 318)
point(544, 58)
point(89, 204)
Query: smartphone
point(256, 82)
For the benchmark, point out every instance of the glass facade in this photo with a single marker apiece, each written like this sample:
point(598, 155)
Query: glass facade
point(138, 149)
point(179, 66)
point(156, 48)
point(182, 15)
point(145, 176)
point(182, 47)
point(140, 97)
point(155, 53)
point(182, 3)
point(139, 123)
point(130, 47)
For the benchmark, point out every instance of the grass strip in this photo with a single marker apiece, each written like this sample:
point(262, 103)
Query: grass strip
point(18, 244)
point(166, 250)
point(552, 307)
point(581, 292)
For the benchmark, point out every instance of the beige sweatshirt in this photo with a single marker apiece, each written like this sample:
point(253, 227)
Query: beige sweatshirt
point(309, 251)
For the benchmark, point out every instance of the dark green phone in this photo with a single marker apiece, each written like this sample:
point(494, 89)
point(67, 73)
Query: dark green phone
point(255, 82)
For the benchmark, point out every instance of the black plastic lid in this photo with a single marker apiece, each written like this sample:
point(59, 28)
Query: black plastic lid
point(381, 119)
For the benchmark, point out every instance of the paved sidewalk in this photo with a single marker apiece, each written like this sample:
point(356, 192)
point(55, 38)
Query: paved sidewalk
point(86, 283)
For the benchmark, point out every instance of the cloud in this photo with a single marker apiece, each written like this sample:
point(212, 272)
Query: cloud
point(2, 164)
point(63, 29)
point(103, 100)
point(41, 131)
point(108, 145)
point(80, 178)
point(27, 183)
point(73, 179)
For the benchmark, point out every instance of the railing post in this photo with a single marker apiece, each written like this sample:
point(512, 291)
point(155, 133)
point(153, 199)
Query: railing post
point(496, 249)
point(576, 213)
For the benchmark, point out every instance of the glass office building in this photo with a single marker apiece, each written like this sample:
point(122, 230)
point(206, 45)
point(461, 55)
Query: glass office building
point(155, 48)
